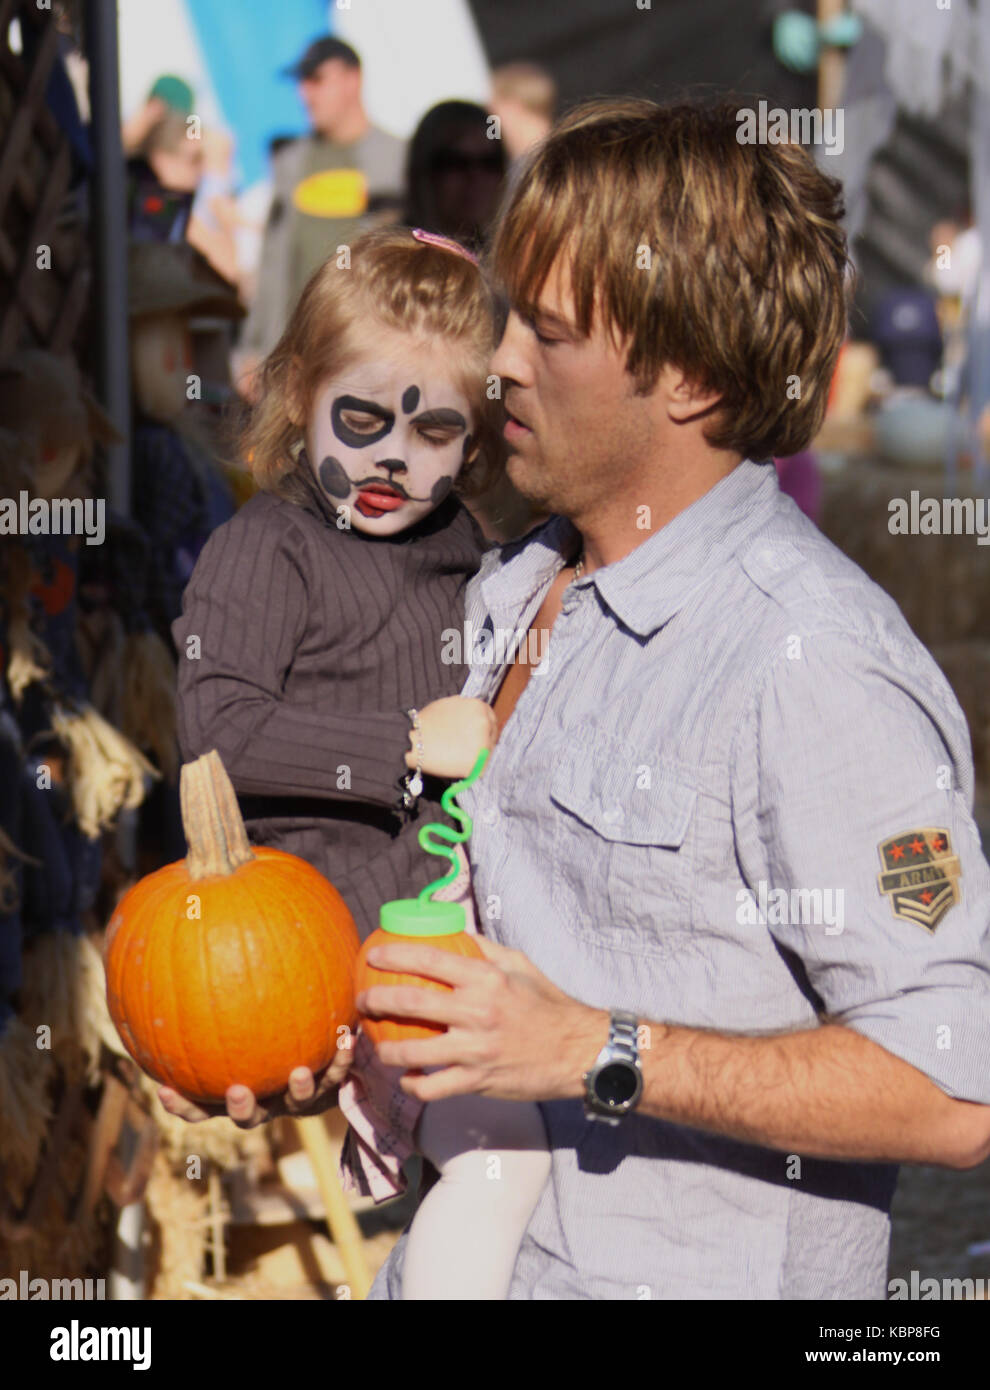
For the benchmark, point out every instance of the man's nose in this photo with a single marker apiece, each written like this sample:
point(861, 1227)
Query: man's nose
point(391, 465)
point(509, 362)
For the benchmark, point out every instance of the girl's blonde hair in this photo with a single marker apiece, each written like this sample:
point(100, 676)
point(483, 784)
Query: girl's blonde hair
point(392, 280)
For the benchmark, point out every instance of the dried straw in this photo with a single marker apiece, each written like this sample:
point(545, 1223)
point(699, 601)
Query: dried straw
point(178, 1207)
point(149, 702)
point(106, 771)
point(29, 660)
point(25, 1106)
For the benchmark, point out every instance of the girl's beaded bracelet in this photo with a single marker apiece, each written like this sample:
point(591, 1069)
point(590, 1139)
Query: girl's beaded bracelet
point(414, 780)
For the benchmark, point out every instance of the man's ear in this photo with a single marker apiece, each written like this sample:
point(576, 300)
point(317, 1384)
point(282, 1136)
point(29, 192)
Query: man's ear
point(294, 404)
point(688, 399)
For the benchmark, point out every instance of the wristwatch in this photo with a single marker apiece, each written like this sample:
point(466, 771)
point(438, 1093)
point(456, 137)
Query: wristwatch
point(614, 1084)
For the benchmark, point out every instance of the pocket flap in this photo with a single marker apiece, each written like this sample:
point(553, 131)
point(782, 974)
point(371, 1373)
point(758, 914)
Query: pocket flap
point(624, 797)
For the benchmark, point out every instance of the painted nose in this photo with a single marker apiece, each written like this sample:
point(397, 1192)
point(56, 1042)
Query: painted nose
point(392, 466)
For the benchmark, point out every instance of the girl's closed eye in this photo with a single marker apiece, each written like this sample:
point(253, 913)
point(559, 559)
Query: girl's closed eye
point(370, 424)
point(361, 424)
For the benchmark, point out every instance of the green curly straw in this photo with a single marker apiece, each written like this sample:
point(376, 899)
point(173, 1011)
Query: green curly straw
point(449, 803)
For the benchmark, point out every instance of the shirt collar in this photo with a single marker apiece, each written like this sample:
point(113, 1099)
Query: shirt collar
point(649, 585)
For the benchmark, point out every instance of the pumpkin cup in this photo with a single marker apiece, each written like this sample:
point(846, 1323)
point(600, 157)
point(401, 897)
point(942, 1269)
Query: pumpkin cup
point(234, 965)
point(405, 919)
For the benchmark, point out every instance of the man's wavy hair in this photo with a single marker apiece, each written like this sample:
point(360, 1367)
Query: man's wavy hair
point(398, 282)
point(746, 282)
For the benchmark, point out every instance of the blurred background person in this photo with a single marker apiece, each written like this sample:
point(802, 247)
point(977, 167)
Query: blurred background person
point(252, 207)
point(455, 173)
point(455, 179)
point(169, 149)
point(327, 187)
point(168, 93)
point(524, 98)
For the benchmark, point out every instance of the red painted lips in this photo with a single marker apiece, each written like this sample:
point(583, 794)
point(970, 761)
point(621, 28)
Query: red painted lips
point(376, 499)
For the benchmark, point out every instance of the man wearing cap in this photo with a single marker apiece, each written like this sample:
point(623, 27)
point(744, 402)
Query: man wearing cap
point(327, 185)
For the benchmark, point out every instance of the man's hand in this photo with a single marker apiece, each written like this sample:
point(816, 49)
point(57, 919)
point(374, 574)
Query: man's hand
point(307, 1095)
point(511, 1033)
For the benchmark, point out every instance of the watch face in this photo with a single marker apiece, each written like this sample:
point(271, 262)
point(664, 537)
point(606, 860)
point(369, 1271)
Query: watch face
point(616, 1083)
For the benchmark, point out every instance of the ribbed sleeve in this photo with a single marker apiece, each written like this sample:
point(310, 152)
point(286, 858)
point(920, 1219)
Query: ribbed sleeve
point(249, 604)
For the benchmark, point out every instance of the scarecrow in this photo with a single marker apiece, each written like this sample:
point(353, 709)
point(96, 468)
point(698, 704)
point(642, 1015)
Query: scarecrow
point(74, 770)
point(180, 494)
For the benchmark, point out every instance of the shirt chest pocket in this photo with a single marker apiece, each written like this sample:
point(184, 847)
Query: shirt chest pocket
point(623, 851)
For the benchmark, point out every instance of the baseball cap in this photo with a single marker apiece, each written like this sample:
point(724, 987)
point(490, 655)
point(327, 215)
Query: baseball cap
point(174, 92)
point(321, 51)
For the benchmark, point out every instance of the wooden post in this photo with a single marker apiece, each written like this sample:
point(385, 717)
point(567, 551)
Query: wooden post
point(341, 1221)
point(109, 231)
point(216, 1227)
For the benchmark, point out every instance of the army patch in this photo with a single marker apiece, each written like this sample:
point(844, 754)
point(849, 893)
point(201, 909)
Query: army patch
point(920, 876)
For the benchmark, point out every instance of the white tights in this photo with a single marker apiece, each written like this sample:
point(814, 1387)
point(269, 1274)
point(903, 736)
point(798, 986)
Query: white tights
point(493, 1162)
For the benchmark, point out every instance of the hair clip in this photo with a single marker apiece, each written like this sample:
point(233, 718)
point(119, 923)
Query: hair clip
point(435, 239)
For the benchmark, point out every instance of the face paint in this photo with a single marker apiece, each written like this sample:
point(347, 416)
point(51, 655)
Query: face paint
point(356, 439)
point(388, 440)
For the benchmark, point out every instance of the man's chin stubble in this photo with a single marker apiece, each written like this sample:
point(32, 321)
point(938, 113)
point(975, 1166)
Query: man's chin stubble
point(555, 501)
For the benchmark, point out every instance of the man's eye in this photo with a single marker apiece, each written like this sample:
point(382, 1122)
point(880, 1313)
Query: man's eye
point(360, 423)
point(438, 439)
point(541, 338)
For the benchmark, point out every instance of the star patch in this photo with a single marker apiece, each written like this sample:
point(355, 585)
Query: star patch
point(920, 876)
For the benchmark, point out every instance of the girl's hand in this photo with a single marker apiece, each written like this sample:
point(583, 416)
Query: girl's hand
point(453, 732)
point(307, 1095)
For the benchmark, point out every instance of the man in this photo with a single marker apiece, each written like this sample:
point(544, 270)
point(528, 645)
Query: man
point(735, 807)
point(524, 98)
point(327, 187)
point(735, 902)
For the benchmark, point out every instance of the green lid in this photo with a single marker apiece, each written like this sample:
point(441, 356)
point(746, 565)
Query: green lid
point(411, 917)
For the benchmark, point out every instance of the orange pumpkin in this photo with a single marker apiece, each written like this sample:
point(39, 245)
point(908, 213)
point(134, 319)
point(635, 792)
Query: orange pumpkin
point(403, 914)
point(233, 965)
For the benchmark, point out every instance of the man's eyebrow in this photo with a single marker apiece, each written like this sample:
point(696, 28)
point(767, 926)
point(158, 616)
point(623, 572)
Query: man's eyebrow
point(552, 320)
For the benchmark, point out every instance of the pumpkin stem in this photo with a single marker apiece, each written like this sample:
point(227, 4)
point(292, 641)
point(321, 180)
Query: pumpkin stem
point(211, 818)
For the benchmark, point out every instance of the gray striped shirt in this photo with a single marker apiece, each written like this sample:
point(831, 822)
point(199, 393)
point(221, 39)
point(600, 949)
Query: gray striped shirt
point(736, 796)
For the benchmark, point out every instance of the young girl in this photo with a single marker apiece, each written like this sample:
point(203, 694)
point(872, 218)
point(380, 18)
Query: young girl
point(312, 630)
